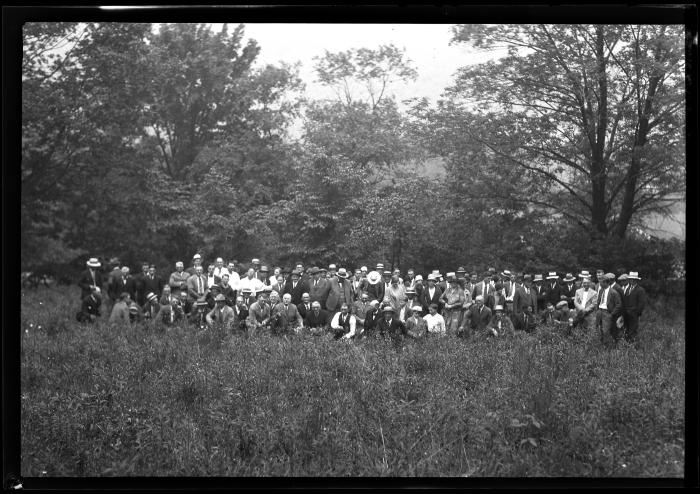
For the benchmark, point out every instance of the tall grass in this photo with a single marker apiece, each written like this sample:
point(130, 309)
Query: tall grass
point(100, 400)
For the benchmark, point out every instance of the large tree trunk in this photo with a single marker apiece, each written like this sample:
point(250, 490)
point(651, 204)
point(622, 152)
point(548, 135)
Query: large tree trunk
point(599, 209)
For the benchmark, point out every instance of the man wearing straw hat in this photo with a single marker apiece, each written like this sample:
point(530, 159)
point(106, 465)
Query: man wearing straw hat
point(568, 290)
point(609, 309)
point(375, 286)
point(634, 301)
point(553, 288)
point(90, 277)
point(431, 294)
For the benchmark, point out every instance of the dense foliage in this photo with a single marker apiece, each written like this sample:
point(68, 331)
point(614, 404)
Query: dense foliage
point(123, 401)
point(153, 142)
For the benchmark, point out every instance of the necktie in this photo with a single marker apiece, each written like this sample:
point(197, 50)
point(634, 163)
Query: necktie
point(92, 273)
point(307, 307)
point(201, 285)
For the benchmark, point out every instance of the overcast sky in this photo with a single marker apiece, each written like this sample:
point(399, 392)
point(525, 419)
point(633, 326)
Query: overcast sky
point(426, 45)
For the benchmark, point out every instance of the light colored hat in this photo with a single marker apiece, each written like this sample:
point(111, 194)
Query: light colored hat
point(342, 273)
point(451, 274)
point(196, 256)
point(201, 301)
point(388, 308)
point(180, 263)
point(610, 276)
point(264, 269)
point(267, 289)
point(479, 297)
point(634, 275)
point(498, 307)
point(94, 263)
point(562, 303)
point(386, 273)
point(419, 277)
point(220, 298)
point(584, 274)
point(410, 291)
point(255, 261)
point(552, 275)
point(373, 277)
point(436, 272)
point(363, 269)
point(151, 297)
point(538, 277)
point(331, 266)
point(417, 308)
point(586, 278)
point(506, 273)
point(569, 277)
point(246, 290)
point(623, 277)
point(461, 270)
point(133, 308)
point(380, 266)
point(431, 277)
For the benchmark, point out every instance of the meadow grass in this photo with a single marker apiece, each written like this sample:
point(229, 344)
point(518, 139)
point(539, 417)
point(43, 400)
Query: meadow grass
point(121, 401)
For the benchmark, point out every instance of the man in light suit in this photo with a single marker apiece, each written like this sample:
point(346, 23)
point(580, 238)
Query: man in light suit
point(585, 303)
point(609, 310)
point(340, 291)
point(197, 285)
point(221, 314)
point(289, 317)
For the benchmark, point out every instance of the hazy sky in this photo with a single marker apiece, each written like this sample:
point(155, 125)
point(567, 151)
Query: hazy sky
point(427, 45)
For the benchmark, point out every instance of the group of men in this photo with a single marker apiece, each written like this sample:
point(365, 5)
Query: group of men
point(365, 302)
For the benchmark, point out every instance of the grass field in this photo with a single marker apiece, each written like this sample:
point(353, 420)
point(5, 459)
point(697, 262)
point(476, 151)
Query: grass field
point(101, 401)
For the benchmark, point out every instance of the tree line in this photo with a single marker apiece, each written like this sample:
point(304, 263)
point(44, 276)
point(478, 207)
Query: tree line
point(153, 142)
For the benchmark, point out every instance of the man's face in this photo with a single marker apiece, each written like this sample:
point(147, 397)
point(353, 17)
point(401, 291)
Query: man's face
point(166, 290)
point(280, 280)
point(358, 274)
point(487, 280)
point(220, 303)
point(586, 284)
point(198, 270)
point(305, 298)
point(387, 278)
point(219, 263)
point(344, 309)
point(529, 309)
point(151, 271)
point(479, 302)
point(365, 299)
point(224, 279)
point(474, 279)
point(388, 315)
point(287, 298)
point(300, 268)
point(431, 283)
point(179, 268)
point(239, 301)
point(210, 269)
point(274, 298)
point(411, 274)
point(251, 273)
point(231, 266)
point(183, 296)
point(395, 280)
point(527, 283)
point(402, 303)
point(316, 308)
point(433, 310)
point(125, 271)
point(144, 269)
point(197, 262)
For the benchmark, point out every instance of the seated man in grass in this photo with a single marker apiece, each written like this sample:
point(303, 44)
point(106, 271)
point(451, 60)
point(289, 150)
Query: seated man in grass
point(221, 315)
point(343, 323)
point(500, 324)
point(90, 308)
point(416, 326)
point(120, 311)
point(317, 320)
point(259, 313)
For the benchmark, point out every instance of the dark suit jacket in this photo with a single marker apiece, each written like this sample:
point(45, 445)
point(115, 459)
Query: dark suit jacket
point(479, 290)
point(376, 292)
point(394, 328)
point(334, 295)
point(635, 301)
point(541, 298)
point(129, 286)
point(478, 320)
point(296, 293)
point(426, 300)
point(154, 285)
point(86, 281)
point(525, 322)
point(553, 294)
point(614, 302)
point(319, 293)
point(239, 317)
point(316, 321)
point(521, 300)
point(302, 309)
point(371, 318)
point(569, 293)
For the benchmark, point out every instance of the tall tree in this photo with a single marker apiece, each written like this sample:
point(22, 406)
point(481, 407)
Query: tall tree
point(590, 117)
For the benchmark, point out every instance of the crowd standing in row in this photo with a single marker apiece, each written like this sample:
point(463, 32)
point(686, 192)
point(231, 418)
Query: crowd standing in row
point(364, 303)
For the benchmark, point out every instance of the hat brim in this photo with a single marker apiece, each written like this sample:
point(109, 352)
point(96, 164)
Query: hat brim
point(94, 264)
point(569, 279)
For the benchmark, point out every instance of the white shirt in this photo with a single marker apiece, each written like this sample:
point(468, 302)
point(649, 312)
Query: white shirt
point(584, 296)
point(220, 272)
point(436, 323)
point(211, 281)
point(604, 300)
point(234, 280)
point(431, 292)
point(255, 285)
point(335, 324)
